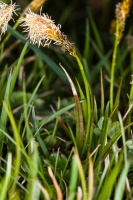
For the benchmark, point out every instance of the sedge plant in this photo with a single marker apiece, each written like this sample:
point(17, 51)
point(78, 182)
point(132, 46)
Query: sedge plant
point(84, 161)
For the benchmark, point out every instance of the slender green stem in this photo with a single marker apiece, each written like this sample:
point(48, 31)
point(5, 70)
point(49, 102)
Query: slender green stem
point(88, 109)
point(17, 138)
point(113, 67)
point(132, 60)
point(102, 94)
point(16, 71)
point(123, 138)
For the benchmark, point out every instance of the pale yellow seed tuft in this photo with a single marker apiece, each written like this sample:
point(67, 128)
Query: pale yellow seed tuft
point(42, 30)
point(6, 13)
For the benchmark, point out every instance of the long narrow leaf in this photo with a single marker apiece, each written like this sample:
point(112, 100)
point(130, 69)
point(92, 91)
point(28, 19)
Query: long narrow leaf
point(15, 75)
point(53, 116)
point(109, 182)
point(3, 117)
point(43, 56)
point(121, 183)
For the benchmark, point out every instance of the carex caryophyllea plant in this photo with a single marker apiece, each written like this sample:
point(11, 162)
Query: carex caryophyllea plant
point(63, 133)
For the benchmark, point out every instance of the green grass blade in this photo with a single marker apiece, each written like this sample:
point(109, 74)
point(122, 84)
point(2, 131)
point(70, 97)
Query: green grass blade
point(100, 64)
point(39, 139)
point(17, 138)
point(73, 180)
point(96, 32)
point(121, 183)
point(109, 144)
point(87, 71)
point(104, 132)
point(113, 66)
point(102, 94)
point(123, 138)
point(95, 111)
point(87, 41)
point(43, 56)
point(103, 135)
point(109, 182)
point(5, 182)
point(3, 117)
point(33, 189)
point(112, 140)
point(55, 115)
point(16, 71)
point(101, 55)
point(34, 92)
point(84, 105)
point(117, 99)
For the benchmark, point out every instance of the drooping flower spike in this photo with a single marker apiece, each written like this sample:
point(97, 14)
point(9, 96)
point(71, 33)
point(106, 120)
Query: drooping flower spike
point(42, 30)
point(6, 13)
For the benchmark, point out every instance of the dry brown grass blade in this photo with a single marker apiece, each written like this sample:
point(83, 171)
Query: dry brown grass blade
point(90, 179)
point(79, 115)
point(44, 191)
point(58, 190)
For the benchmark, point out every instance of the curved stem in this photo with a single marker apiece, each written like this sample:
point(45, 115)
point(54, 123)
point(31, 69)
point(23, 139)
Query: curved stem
point(113, 67)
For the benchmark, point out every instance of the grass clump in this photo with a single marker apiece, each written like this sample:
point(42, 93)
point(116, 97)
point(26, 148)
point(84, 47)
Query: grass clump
point(70, 145)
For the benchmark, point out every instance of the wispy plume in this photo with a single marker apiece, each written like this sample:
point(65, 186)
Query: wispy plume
point(6, 13)
point(42, 31)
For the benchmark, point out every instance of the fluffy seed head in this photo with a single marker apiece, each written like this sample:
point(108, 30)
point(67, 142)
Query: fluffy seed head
point(122, 11)
point(6, 13)
point(42, 30)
